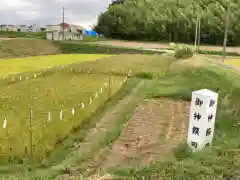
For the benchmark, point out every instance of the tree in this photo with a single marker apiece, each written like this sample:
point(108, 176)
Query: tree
point(170, 20)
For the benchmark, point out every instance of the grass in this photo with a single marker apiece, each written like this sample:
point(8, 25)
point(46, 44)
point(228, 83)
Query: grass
point(79, 47)
point(18, 65)
point(13, 34)
point(177, 83)
point(93, 39)
point(223, 159)
point(16, 48)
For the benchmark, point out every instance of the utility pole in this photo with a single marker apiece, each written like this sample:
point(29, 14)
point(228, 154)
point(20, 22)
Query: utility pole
point(226, 32)
point(199, 32)
point(63, 25)
point(196, 34)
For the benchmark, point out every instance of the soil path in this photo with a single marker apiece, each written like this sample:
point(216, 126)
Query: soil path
point(152, 45)
point(155, 129)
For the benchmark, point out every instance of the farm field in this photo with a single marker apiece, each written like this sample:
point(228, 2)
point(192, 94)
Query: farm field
point(52, 96)
point(235, 62)
point(19, 65)
point(49, 96)
point(135, 132)
point(140, 132)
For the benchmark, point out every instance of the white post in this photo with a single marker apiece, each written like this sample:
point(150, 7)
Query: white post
point(61, 115)
point(49, 116)
point(4, 123)
point(82, 105)
point(90, 100)
point(202, 119)
point(73, 111)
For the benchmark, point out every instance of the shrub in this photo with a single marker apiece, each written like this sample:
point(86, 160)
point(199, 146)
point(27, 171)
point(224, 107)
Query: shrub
point(172, 46)
point(183, 52)
point(144, 75)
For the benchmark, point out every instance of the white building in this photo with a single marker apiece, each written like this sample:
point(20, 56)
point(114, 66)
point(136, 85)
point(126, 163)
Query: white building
point(71, 32)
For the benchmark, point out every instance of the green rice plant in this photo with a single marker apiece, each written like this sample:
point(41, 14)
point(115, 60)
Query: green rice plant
point(59, 103)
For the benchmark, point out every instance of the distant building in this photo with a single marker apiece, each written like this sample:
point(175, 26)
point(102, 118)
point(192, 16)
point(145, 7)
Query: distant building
point(33, 28)
point(21, 28)
point(64, 32)
point(7, 27)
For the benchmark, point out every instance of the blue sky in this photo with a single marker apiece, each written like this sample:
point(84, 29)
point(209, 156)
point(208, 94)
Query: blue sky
point(42, 12)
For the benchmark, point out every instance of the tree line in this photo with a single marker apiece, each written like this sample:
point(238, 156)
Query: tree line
point(170, 20)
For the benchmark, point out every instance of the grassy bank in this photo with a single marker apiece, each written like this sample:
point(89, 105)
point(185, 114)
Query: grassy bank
point(71, 47)
point(16, 48)
point(223, 158)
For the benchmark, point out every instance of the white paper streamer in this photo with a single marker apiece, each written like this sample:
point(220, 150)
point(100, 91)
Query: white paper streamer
point(20, 78)
point(35, 75)
point(27, 78)
point(13, 78)
point(61, 115)
point(96, 95)
point(101, 90)
point(73, 111)
point(90, 101)
point(4, 123)
point(82, 105)
point(130, 72)
point(49, 116)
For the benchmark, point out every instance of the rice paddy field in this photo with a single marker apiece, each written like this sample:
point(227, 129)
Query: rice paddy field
point(62, 91)
point(234, 62)
point(59, 101)
point(19, 65)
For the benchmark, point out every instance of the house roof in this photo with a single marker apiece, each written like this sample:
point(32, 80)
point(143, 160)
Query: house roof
point(65, 25)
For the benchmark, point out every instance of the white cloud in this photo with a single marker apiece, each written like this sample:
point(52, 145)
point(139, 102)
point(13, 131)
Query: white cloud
point(82, 12)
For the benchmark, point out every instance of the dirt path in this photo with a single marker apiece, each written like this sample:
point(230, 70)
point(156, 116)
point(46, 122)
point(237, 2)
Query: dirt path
point(96, 136)
point(156, 128)
point(159, 46)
